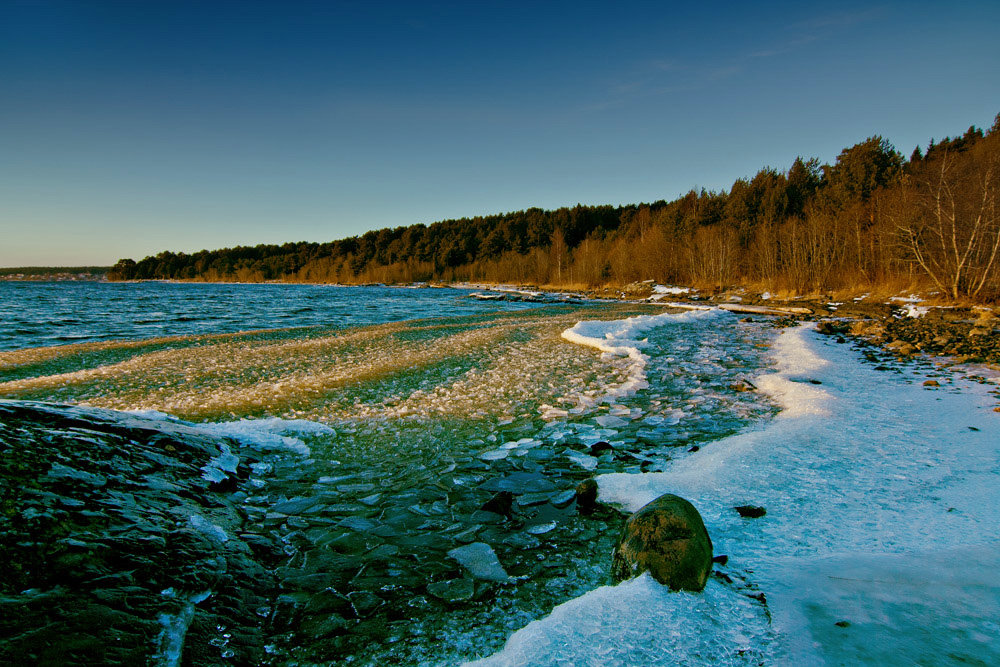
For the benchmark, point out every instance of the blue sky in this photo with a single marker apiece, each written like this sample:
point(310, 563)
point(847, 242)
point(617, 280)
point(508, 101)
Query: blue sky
point(127, 128)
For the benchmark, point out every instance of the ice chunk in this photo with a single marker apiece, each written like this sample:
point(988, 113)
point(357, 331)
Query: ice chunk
point(206, 527)
point(582, 460)
point(542, 528)
point(480, 561)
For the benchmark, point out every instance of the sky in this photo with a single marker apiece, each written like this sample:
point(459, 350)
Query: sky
point(128, 128)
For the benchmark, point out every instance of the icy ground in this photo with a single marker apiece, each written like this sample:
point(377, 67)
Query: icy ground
point(879, 546)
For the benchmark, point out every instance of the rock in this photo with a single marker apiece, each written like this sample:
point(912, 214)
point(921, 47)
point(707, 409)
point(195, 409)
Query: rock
point(599, 448)
point(742, 386)
point(901, 347)
point(829, 328)
point(586, 496)
point(931, 383)
point(750, 511)
point(668, 539)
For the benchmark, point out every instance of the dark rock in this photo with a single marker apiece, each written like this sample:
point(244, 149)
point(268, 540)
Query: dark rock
point(842, 624)
point(668, 539)
point(721, 559)
point(931, 383)
point(830, 328)
point(694, 448)
point(599, 448)
point(586, 496)
point(750, 511)
point(502, 503)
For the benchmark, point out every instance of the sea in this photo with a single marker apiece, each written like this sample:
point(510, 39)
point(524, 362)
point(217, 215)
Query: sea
point(433, 438)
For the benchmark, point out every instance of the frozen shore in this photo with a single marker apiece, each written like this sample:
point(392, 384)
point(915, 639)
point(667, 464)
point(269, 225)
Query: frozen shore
point(879, 544)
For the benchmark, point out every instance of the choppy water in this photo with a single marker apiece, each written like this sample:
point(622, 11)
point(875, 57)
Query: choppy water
point(428, 420)
point(58, 313)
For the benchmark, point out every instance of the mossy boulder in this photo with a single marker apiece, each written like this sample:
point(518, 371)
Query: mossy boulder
point(668, 539)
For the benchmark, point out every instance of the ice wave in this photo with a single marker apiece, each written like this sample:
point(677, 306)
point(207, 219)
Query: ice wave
point(620, 338)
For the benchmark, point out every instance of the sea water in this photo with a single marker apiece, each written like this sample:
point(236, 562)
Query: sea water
point(391, 419)
point(57, 313)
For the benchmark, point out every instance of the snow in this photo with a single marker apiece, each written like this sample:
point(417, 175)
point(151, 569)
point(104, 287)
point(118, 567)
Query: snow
point(670, 289)
point(880, 542)
point(263, 434)
point(911, 310)
point(638, 622)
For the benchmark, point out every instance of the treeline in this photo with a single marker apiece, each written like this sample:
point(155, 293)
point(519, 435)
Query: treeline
point(43, 272)
point(872, 219)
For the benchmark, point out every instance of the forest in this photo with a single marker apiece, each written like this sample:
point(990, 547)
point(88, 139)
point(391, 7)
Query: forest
point(871, 221)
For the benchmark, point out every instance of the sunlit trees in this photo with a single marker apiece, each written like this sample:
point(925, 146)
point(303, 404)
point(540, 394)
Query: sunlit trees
point(868, 219)
point(947, 214)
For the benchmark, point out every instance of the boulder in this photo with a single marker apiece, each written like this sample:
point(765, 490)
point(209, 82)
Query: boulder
point(668, 539)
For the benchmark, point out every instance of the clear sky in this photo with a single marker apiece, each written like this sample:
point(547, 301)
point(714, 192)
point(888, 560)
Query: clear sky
point(127, 128)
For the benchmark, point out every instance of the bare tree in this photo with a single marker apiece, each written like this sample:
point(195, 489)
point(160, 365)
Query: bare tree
point(946, 214)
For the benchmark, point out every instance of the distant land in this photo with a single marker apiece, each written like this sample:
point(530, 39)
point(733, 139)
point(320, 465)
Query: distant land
point(55, 273)
point(873, 221)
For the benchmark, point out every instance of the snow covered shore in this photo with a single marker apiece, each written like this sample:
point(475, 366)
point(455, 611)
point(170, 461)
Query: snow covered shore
point(880, 544)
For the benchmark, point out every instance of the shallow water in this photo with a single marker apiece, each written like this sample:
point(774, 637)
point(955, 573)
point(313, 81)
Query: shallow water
point(468, 428)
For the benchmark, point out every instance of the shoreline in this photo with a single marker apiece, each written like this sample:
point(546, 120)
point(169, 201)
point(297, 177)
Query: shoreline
point(849, 560)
